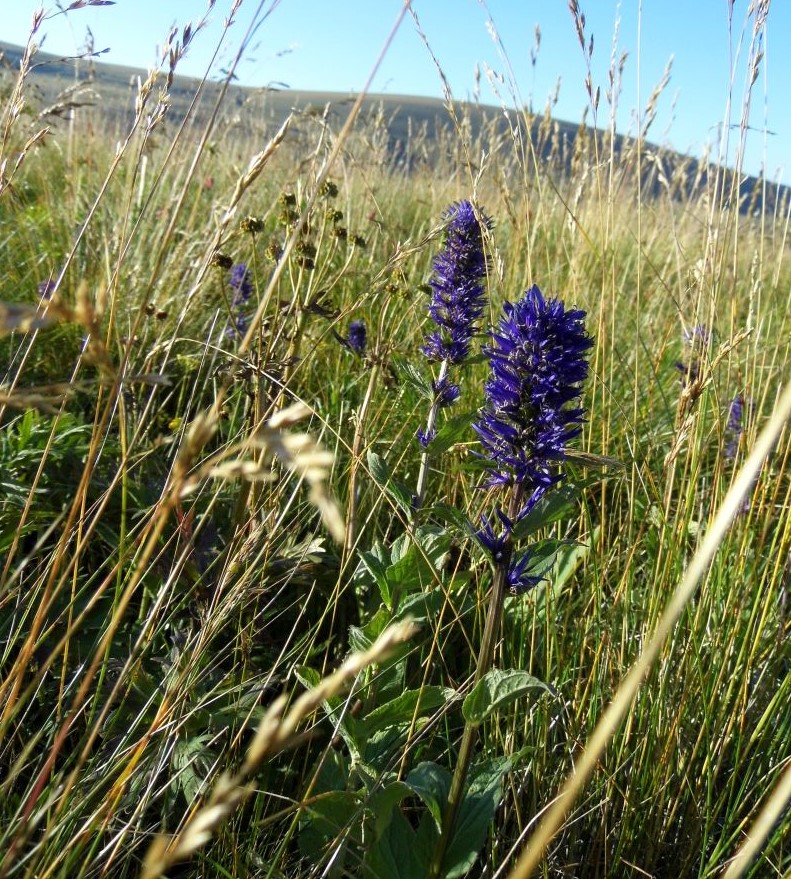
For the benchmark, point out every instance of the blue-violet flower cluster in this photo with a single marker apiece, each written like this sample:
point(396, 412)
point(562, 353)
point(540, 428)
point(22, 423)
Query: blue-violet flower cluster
point(457, 290)
point(538, 363)
point(457, 302)
point(242, 285)
point(738, 413)
point(358, 337)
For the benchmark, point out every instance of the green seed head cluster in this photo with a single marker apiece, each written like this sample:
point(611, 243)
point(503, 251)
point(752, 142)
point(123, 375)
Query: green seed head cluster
point(251, 225)
point(328, 189)
point(221, 260)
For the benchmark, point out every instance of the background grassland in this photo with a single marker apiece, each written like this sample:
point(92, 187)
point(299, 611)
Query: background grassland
point(145, 628)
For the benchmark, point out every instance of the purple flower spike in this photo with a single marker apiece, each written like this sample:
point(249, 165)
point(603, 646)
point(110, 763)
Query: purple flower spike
point(358, 336)
point(458, 296)
point(241, 283)
point(740, 410)
point(538, 363)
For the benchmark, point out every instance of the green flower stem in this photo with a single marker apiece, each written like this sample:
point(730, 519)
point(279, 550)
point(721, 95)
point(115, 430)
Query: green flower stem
point(485, 658)
point(425, 459)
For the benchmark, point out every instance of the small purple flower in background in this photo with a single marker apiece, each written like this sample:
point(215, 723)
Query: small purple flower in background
point(239, 327)
point(358, 337)
point(735, 426)
point(740, 410)
point(241, 283)
point(46, 288)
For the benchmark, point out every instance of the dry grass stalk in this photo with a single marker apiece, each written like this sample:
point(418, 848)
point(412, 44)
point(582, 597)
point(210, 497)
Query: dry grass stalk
point(627, 691)
point(276, 732)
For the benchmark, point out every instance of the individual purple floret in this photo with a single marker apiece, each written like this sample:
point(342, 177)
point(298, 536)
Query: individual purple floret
point(490, 540)
point(538, 364)
point(358, 337)
point(457, 290)
point(445, 392)
point(241, 283)
point(426, 437)
point(519, 581)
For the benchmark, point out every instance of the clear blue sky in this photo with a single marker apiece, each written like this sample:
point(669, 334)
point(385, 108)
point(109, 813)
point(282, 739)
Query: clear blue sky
point(332, 44)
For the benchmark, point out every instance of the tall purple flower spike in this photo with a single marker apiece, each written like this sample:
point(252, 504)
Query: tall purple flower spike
point(457, 290)
point(538, 364)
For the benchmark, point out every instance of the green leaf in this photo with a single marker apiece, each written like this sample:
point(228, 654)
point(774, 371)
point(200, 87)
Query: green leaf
point(378, 467)
point(399, 548)
point(408, 374)
point(377, 569)
point(360, 639)
point(407, 706)
point(381, 474)
point(446, 513)
point(352, 732)
point(569, 558)
point(382, 803)
point(191, 755)
point(422, 606)
point(497, 689)
point(453, 431)
point(544, 554)
point(411, 573)
point(400, 853)
point(476, 813)
point(558, 503)
point(432, 784)
point(326, 816)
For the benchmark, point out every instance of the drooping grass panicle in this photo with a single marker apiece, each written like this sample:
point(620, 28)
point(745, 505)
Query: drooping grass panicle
point(697, 342)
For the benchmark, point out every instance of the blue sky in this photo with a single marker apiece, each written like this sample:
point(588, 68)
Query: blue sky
point(332, 45)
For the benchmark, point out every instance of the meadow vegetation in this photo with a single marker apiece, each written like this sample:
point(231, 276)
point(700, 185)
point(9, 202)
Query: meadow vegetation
point(231, 644)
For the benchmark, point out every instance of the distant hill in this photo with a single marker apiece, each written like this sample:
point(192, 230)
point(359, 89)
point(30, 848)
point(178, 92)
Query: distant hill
point(403, 116)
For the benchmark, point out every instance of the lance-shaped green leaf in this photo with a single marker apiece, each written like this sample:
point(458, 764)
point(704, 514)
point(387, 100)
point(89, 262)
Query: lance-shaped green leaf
point(497, 689)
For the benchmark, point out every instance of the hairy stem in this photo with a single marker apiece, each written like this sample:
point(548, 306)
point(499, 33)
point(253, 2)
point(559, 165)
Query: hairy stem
point(425, 459)
point(485, 657)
